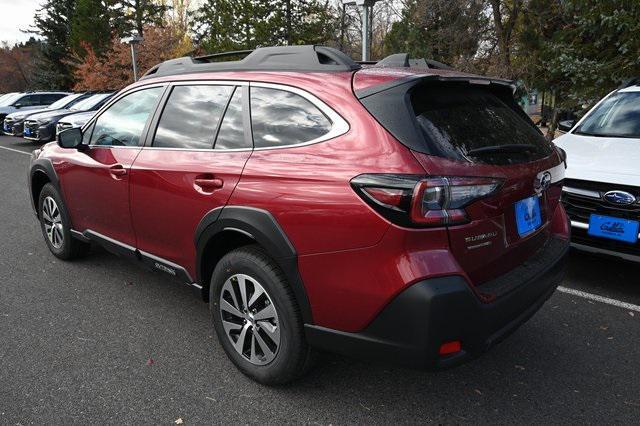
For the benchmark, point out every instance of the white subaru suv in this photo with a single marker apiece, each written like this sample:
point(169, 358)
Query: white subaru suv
point(601, 191)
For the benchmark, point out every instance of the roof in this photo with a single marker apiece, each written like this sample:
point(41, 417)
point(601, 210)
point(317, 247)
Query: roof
point(369, 76)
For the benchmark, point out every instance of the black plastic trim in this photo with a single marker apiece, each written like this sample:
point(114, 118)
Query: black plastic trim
point(147, 259)
point(263, 228)
point(42, 165)
point(307, 58)
point(411, 328)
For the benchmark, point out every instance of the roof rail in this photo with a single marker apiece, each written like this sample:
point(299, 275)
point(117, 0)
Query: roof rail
point(281, 58)
point(207, 58)
point(402, 60)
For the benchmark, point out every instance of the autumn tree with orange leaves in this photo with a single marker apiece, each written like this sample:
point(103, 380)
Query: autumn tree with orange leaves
point(113, 70)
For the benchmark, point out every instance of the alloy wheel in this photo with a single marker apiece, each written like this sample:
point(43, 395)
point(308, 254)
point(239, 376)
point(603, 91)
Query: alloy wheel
point(250, 319)
point(52, 222)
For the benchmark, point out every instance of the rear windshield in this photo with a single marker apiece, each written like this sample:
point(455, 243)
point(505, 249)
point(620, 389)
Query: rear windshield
point(616, 116)
point(462, 122)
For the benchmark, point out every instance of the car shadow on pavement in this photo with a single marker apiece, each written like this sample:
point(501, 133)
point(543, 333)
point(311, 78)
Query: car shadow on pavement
point(560, 360)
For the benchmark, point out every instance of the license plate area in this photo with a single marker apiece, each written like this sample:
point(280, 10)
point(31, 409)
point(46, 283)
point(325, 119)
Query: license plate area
point(528, 215)
point(614, 228)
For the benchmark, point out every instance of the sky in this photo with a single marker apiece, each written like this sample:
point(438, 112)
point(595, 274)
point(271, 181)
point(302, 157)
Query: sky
point(16, 15)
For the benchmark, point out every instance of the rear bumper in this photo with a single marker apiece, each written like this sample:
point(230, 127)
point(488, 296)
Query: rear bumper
point(411, 328)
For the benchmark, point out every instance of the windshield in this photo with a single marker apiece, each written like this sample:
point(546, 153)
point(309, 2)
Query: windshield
point(90, 102)
point(5, 96)
point(61, 103)
point(9, 99)
point(616, 116)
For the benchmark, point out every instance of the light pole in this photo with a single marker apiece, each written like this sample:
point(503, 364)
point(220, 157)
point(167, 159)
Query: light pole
point(365, 10)
point(132, 41)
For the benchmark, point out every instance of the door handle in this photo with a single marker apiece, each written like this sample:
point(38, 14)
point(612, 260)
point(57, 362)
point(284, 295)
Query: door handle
point(208, 182)
point(117, 170)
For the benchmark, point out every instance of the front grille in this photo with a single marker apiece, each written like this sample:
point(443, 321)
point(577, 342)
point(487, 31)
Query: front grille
point(580, 208)
point(8, 125)
point(33, 129)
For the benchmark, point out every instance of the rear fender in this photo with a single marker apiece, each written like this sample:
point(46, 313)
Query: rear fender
point(260, 226)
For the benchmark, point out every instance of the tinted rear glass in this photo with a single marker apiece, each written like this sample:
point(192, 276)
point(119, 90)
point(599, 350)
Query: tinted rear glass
point(474, 124)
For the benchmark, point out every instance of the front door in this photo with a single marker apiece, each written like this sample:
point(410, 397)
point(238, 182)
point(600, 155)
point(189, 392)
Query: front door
point(96, 180)
point(190, 166)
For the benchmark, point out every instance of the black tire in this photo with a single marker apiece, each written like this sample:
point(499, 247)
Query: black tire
point(294, 356)
point(70, 247)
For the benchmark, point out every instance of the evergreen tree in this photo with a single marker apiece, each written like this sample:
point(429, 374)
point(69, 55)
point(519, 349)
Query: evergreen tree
point(90, 27)
point(132, 15)
point(223, 25)
point(53, 23)
point(448, 31)
point(580, 49)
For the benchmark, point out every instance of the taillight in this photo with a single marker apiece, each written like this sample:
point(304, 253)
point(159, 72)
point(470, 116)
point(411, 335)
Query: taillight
point(411, 200)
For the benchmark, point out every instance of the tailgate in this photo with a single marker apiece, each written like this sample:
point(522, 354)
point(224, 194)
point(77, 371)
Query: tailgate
point(490, 244)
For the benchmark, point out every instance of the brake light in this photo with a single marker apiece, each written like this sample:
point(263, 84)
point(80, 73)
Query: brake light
point(411, 200)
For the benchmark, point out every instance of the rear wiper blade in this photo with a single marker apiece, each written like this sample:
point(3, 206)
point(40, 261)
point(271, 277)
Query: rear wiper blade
point(503, 149)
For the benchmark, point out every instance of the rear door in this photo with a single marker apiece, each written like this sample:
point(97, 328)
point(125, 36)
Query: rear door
point(189, 166)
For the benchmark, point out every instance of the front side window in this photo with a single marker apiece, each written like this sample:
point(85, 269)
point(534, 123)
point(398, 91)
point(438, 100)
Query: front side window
point(281, 118)
point(29, 100)
point(123, 123)
point(616, 116)
point(190, 117)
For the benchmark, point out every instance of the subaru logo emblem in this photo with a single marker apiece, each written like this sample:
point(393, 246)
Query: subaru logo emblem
point(619, 197)
point(542, 182)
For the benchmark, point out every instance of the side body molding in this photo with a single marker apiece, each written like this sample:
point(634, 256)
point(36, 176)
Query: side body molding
point(263, 228)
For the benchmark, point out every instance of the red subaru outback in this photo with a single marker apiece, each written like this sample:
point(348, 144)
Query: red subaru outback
point(391, 212)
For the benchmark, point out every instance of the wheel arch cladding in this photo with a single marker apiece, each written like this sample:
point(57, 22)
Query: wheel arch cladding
point(41, 173)
point(227, 228)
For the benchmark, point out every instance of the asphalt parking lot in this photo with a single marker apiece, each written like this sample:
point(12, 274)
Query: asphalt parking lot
point(104, 341)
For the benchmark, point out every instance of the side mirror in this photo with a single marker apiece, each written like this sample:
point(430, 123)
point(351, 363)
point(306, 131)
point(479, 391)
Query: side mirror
point(566, 125)
point(70, 138)
point(18, 105)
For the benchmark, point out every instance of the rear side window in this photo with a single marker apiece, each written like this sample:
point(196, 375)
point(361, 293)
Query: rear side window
point(191, 116)
point(281, 118)
point(475, 124)
point(50, 98)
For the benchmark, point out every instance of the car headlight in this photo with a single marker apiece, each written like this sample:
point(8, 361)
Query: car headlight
point(44, 121)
